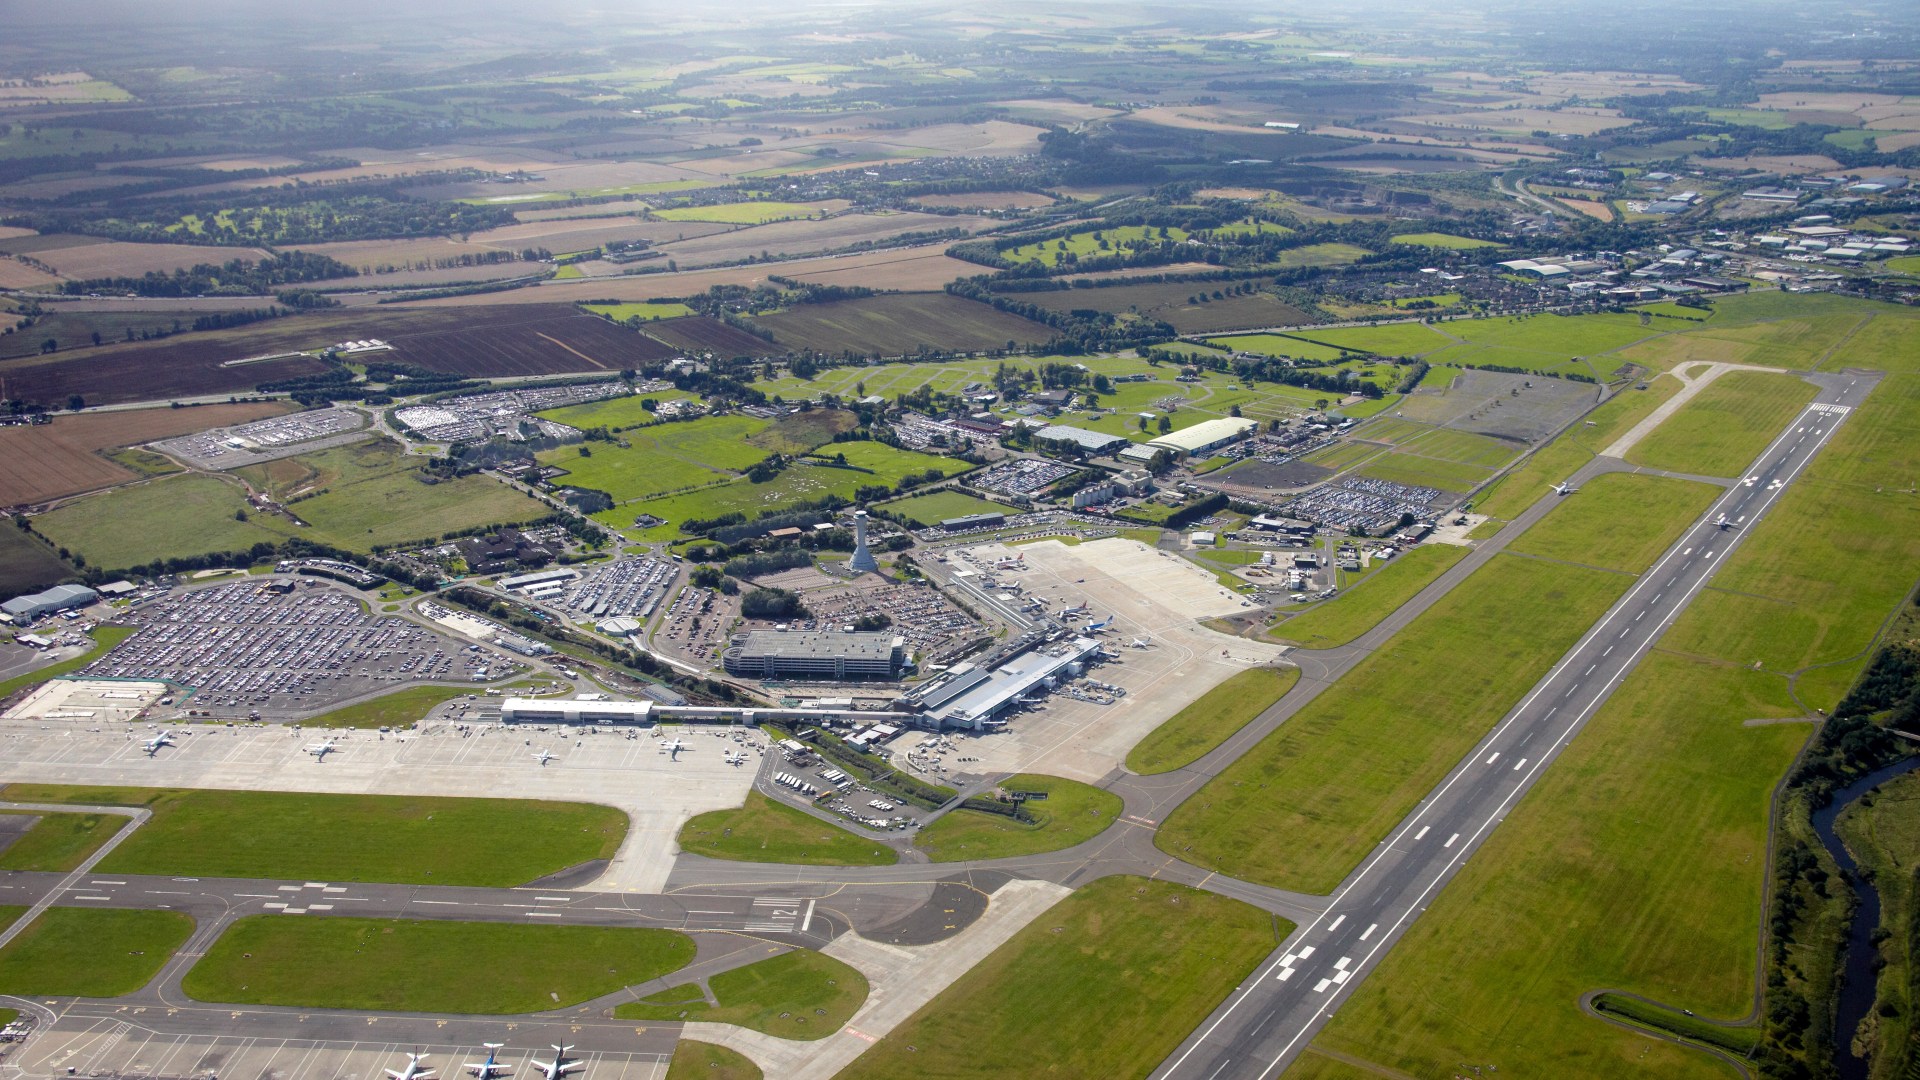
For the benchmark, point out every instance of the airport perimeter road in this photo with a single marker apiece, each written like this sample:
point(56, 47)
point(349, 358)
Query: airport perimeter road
point(1268, 1020)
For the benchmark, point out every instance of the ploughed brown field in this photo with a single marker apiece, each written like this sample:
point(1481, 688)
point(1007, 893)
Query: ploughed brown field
point(502, 340)
point(46, 461)
point(702, 334)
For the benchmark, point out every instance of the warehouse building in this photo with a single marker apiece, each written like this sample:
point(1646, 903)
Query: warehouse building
point(1093, 442)
point(1205, 436)
point(823, 655)
point(58, 598)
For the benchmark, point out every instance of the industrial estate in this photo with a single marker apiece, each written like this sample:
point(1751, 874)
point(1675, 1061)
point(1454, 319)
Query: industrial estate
point(959, 542)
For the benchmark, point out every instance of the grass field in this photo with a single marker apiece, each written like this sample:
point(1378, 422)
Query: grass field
point(1303, 806)
point(107, 636)
point(1410, 468)
point(798, 994)
point(179, 516)
point(374, 495)
point(1388, 339)
point(645, 311)
point(399, 709)
point(1442, 240)
point(870, 463)
point(1726, 426)
point(27, 564)
point(616, 412)
point(1636, 864)
point(1211, 720)
point(1360, 608)
point(666, 458)
point(1092, 244)
point(59, 842)
point(1104, 984)
point(1559, 459)
point(1321, 255)
point(941, 505)
point(1071, 812)
point(416, 965)
point(1618, 521)
point(396, 838)
point(90, 952)
point(741, 213)
point(766, 831)
point(695, 1060)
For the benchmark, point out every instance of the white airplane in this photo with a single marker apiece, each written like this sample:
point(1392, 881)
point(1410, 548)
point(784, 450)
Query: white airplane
point(558, 1068)
point(485, 1069)
point(1564, 489)
point(672, 747)
point(320, 750)
point(543, 757)
point(413, 1071)
point(735, 759)
point(1140, 643)
point(1077, 609)
point(1722, 522)
point(1099, 627)
point(152, 746)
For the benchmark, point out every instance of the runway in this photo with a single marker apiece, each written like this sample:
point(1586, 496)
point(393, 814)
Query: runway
point(1269, 1020)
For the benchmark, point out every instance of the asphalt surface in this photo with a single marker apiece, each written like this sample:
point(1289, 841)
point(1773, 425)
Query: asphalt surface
point(1269, 1020)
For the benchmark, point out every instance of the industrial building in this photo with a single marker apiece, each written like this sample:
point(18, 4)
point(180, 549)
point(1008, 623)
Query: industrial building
point(816, 655)
point(973, 698)
point(515, 710)
point(537, 578)
point(1093, 442)
point(58, 598)
point(1205, 436)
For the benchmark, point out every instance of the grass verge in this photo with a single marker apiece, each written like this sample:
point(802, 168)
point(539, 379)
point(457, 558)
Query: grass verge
point(90, 952)
point(405, 839)
point(1618, 521)
point(695, 1060)
point(1722, 430)
point(763, 830)
point(1359, 609)
point(799, 994)
point(107, 636)
point(415, 965)
point(1301, 808)
point(1211, 720)
point(398, 709)
point(1105, 983)
point(59, 842)
point(1739, 1041)
point(1071, 812)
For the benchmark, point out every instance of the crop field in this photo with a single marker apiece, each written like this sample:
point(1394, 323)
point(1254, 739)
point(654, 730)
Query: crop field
point(418, 965)
point(805, 237)
point(1637, 864)
point(1071, 812)
point(1606, 524)
point(28, 564)
point(700, 334)
point(941, 505)
point(798, 994)
point(526, 341)
point(1359, 608)
point(1389, 339)
point(763, 830)
point(114, 258)
point(173, 371)
point(44, 461)
point(1206, 723)
point(1188, 306)
point(1106, 982)
point(870, 464)
point(1442, 240)
point(898, 324)
point(643, 310)
point(75, 329)
point(683, 454)
point(58, 843)
point(372, 494)
point(742, 213)
point(1092, 244)
point(1726, 426)
point(179, 516)
point(90, 952)
point(406, 839)
point(1300, 809)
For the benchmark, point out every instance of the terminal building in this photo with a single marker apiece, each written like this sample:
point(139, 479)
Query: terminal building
point(975, 699)
point(574, 711)
point(58, 598)
point(828, 655)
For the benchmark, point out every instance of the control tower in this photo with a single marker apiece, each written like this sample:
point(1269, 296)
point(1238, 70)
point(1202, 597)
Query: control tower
point(862, 561)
